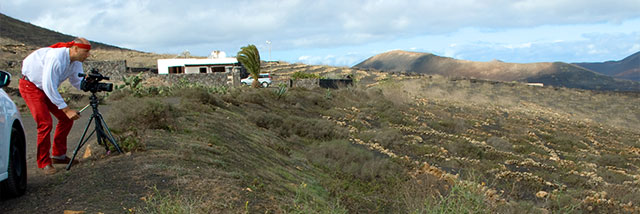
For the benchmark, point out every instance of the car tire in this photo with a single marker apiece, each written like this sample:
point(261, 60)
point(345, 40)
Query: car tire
point(265, 84)
point(16, 183)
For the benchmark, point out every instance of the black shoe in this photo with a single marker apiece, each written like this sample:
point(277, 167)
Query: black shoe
point(63, 161)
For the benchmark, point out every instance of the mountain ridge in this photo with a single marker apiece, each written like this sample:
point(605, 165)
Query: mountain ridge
point(627, 68)
point(33, 35)
point(19, 38)
point(549, 73)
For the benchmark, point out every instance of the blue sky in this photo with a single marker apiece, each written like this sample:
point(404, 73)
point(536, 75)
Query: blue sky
point(344, 33)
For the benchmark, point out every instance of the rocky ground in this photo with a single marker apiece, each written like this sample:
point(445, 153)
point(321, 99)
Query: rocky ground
point(391, 143)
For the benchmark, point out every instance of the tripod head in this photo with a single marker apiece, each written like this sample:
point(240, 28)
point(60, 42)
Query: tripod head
point(93, 102)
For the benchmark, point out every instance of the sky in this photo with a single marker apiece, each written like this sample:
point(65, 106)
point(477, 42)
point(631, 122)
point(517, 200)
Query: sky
point(344, 33)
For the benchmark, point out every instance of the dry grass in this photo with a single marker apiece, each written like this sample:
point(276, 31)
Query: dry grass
point(404, 144)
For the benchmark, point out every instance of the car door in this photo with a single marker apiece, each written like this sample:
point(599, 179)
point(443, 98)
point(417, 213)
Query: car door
point(5, 133)
point(5, 127)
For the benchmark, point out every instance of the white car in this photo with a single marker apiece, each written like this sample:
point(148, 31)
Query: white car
point(264, 79)
point(13, 155)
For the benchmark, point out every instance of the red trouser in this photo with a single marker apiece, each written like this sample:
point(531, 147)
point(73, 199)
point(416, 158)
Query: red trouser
point(40, 106)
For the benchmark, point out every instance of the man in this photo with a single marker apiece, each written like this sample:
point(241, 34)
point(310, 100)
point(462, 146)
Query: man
point(42, 73)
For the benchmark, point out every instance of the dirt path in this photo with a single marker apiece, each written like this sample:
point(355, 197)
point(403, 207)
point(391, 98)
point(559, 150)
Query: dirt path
point(71, 190)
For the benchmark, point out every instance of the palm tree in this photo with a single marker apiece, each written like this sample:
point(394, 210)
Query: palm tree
point(250, 58)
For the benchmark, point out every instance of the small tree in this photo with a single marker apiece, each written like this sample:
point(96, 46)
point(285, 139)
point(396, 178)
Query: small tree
point(250, 58)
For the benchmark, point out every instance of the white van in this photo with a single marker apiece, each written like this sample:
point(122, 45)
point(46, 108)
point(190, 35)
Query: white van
point(264, 79)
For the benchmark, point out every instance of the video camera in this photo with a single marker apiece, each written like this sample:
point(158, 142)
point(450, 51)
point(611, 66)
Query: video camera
point(91, 82)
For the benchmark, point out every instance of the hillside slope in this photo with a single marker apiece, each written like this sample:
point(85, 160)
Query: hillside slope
point(406, 144)
point(556, 74)
point(32, 35)
point(392, 143)
point(627, 68)
point(18, 39)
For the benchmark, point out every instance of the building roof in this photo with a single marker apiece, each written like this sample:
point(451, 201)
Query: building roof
point(193, 61)
point(164, 64)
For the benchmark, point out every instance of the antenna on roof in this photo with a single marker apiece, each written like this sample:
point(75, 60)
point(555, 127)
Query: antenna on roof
point(217, 54)
point(185, 54)
point(269, 43)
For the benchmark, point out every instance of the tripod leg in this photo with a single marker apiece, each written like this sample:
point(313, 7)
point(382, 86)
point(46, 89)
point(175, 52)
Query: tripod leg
point(100, 134)
point(110, 136)
point(80, 142)
point(113, 142)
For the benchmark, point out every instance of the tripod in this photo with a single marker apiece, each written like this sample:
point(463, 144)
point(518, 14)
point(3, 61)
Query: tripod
point(102, 135)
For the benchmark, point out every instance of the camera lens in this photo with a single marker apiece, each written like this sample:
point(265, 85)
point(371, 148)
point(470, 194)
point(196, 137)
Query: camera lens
point(108, 87)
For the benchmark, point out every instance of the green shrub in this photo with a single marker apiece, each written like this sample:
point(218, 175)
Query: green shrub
point(622, 193)
point(280, 92)
point(344, 158)
point(387, 137)
point(463, 198)
point(312, 198)
point(253, 95)
point(563, 141)
point(575, 181)
point(129, 143)
point(169, 203)
point(363, 181)
point(453, 126)
point(287, 126)
point(462, 148)
point(201, 95)
point(304, 98)
point(312, 128)
point(135, 114)
point(612, 160)
point(500, 144)
point(118, 94)
point(562, 202)
point(266, 120)
point(521, 146)
point(613, 177)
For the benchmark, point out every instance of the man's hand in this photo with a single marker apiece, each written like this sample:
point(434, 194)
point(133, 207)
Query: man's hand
point(71, 114)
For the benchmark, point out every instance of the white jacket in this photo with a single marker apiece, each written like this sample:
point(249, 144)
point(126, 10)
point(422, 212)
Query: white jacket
point(47, 68)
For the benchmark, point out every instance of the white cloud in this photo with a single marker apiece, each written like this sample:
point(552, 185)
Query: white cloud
point(517, 46)
point(593, 48)
point(634, 48)
point(345, 60)
point(304, 58)
point(204, 25)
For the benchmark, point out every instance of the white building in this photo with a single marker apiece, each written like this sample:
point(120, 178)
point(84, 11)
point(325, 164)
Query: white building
point(194, 66)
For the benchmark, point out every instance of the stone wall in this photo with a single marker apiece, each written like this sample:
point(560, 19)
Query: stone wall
point(211, 79)
point(305, 83)
point(322, 83)
point(335, 83)
point(113, 69)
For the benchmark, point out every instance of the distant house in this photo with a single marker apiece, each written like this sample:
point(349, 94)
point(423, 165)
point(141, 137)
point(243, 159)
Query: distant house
point(536, 84)
point(194, 66)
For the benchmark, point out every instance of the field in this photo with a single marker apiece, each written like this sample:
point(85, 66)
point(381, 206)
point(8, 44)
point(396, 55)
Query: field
point(391, 144)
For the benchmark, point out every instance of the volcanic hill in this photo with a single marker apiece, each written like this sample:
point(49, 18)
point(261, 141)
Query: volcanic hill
point(548, 73)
